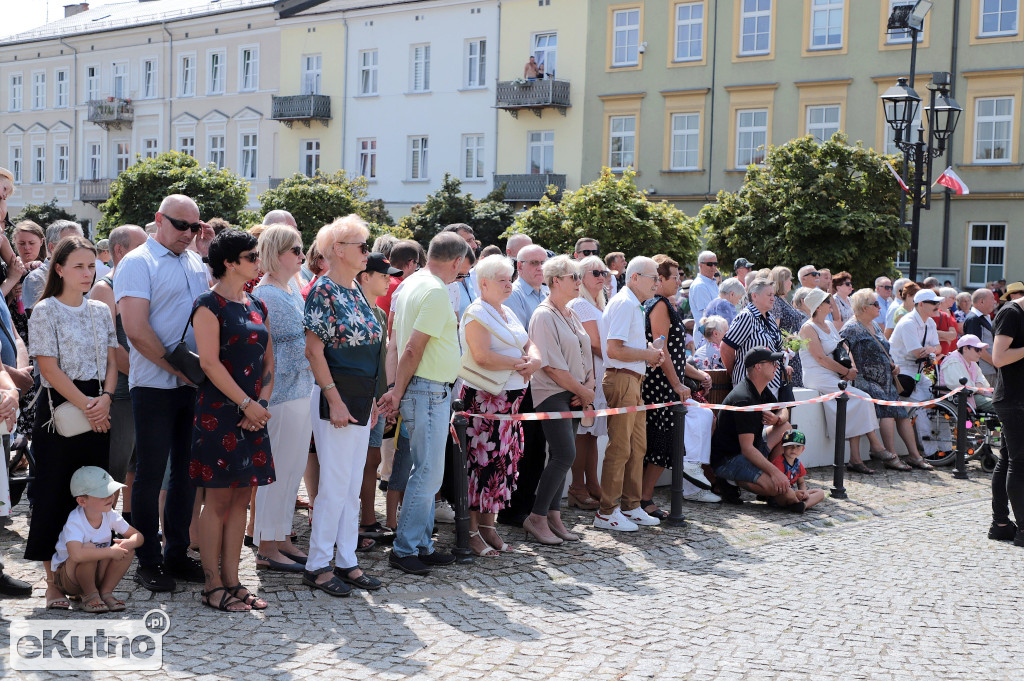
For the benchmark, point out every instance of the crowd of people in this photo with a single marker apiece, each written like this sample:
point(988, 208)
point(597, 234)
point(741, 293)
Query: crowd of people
point(187, 383)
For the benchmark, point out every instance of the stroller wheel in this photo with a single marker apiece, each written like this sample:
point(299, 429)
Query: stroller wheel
point(988, 463)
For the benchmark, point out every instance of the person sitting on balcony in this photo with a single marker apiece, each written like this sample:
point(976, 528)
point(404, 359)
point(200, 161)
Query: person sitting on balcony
point(533, 70)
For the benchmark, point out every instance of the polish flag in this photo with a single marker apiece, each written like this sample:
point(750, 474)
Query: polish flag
point(950, 179)
point(897, 176)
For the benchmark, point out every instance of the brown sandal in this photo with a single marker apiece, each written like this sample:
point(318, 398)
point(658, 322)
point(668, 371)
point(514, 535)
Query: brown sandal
point(859, 467)
point(920, 464)
point(584, 503)
point(93, 603)
point(113, 603)
point(896, 464)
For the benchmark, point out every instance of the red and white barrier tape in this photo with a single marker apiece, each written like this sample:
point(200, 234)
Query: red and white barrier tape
point(898, 403)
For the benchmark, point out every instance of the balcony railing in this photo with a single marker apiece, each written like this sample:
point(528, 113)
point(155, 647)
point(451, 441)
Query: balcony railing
point(528, 188)
point(94, 191)
point(304, 108)
point(535, 95)
point(111, 112)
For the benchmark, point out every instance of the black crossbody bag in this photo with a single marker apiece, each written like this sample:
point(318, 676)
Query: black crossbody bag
point(357, 392)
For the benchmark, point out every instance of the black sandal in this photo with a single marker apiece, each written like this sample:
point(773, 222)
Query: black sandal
point(224, 602)
point(380, 533)
point(363, 581)
point(333, 587)
point(656, 513)
point(249, 599)
point(859, 467)
point(366, 543)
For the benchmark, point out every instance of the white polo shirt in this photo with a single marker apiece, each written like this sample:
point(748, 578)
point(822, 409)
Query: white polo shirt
point(624, 320)
point(906, 338)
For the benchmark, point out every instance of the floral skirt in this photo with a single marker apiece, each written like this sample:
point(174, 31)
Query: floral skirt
point(494, 448)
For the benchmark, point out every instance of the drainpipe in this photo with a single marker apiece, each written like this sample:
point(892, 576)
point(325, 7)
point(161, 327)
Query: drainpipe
point(170, 83)
point(711, 114)
point(949, 143)
point(344, 93)
point(497, 71)
point(74, 109)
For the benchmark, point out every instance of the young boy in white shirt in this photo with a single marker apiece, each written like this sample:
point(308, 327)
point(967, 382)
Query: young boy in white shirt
point(86, 563)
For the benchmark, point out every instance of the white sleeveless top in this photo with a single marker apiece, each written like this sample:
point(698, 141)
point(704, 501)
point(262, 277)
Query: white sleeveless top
point(816, 375)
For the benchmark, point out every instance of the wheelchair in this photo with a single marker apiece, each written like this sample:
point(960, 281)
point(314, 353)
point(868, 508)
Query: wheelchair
point(984, 433)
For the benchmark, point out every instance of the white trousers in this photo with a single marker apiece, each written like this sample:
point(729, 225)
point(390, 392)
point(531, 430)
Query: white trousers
point(923, 392)
point(289, 428)
point(697, 438)
point(342, 454)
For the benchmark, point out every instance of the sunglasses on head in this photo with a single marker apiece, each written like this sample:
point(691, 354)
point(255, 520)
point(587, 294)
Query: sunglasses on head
point(363, 246)
point(600, 273)
point(251, 256)
point(588, 251)
point(182, 225)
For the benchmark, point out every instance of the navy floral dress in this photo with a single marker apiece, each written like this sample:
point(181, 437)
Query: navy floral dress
point(224, 455)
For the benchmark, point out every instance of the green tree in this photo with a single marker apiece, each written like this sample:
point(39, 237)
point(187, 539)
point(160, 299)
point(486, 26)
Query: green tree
point(831, 205)
point(319, 200)
point(44, 214)
point(615, 212)
point(136, 193)
point(489, 217)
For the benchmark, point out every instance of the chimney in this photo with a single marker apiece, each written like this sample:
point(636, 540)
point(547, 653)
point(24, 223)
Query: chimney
point(77, 8)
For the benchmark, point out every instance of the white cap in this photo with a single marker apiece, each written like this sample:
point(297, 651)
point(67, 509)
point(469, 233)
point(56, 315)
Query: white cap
point(926, 295)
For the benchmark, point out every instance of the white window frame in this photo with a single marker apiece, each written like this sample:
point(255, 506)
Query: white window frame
point(540, 152)
point(122, 156)
point(419, 168)
point(150, 79)
point(419, 67)
point(38, 164)
point(755, 15)
point(92, 83)
point(368, 157)
point(216, 72)
point(187, 75)
point(827, 11)
point(819, 128)
point(62, 162)
point(151, 147)
point(248, 154)
point(685, 26)
point(187, 143)
point(473, 150)
point(312, 74)
point(216, 149)
point(627, 142)
point(543, 54)
point(368, 73)
point(903, 36)
point(998, 12)
point(119, 80)
point(476, 63)
point(685, 141)
point(38, 90)
point(753, 156)
point(994, 120)
point(60, 88)
point(626, 37)
point(15, 92)
point(248, 68)
point(95, 161)
point(988, 244)
point(16, 159)
point(309, 157)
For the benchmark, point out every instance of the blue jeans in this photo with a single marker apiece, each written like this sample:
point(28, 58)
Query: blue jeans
point(163, 430)
point(401, 464)
point(739, 469)
point(426, 410)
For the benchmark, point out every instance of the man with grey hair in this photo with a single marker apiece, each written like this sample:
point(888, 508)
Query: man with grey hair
point(279, 216)
point(628, 356)
point(516, 243)
point(896, 304)
point(979, 322)
point(883, 288)
point(529, 289)
point(35, 281)
point(808, 276)
point(704, 288)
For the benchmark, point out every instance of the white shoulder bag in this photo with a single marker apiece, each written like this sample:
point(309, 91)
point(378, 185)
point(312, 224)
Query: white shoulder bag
point(67, 419)
point(489, 380)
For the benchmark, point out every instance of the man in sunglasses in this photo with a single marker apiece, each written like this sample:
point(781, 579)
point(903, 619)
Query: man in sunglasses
point(883, 287)
point(154, 287)
point(808, 276)
point(704, 289)
point(35, 281)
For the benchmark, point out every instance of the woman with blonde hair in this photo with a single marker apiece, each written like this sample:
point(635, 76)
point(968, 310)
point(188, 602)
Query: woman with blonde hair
point(789, 318)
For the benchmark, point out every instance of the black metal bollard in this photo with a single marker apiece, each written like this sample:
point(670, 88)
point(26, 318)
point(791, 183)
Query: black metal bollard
point(676, 518)
point(461, 476)
point(960, 472)
point(839, 465)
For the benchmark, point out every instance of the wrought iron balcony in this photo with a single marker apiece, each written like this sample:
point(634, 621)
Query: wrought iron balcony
point(111, 112)
point(94, 191)
point(303, 108)
point(527, 187)
point(535, 95)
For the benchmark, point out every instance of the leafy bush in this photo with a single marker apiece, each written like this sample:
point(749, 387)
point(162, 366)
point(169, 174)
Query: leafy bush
point(489, 217)
point(44, 214)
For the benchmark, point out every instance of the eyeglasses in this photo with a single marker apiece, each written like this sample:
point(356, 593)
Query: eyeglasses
point(887, 287)
point(460, 277)
point(296, 250)
point(587, 251)
point(875, 304)
point(600, 273)
point(710, 264)
point(535, 263)
point(846, 283)
point(650, 276)
point(769, 361)
point(363, 247)
point(182, 225)
point(575, 277)
point(813, 274)
point(251, 256)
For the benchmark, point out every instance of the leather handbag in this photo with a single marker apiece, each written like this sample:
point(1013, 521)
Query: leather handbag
point(67, 419)
point(906, 382)
point(489, 380)
point(184, 360)
point(842, 354)
point(357, 392)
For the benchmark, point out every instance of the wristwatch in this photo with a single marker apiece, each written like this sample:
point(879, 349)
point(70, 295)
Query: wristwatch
point(263, 403)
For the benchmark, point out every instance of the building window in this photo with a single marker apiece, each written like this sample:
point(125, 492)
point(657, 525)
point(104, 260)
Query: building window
point(216, 76)
point(685, 141)
point(95, 161)
point(215, 145)
point(368, 72)
point(149, 78)
point(311, 72)
point(823, 122)
point(149, 146)
point(16, 163)
point(92, 83)
point(473, 157)
point(249, 164)
point(250, 69)
point(626, 38)
point(368, 158)
point(60, 94)
point(545, 52)
point(122, 158)
point(420, 68)
point(476, 63)
point(622, 142)
point(187, 145)
point(987, 251)
point(417, 158)
point(310, 157)
point(187, 82)
point(540, 150)
point(993, 129)
point(39, 90)
point(826, 24)
point(38, 164)
point(751, 136)
point(998, 17)
point(119, 82)
point(755, 27)
point(902, 35)
point(63, 163)
point(15, 93)
point(689, 31)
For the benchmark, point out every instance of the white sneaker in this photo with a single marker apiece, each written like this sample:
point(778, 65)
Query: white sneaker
point(443, 512)
point(639, 516)
point(615, 521)
point(694, 471)
point(704, 495)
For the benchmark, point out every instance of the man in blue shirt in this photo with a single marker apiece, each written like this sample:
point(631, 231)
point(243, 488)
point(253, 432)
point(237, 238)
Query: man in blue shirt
point(704, 289)
point(529, 290)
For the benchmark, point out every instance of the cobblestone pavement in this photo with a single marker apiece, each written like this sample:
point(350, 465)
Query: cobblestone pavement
point(897, 582)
